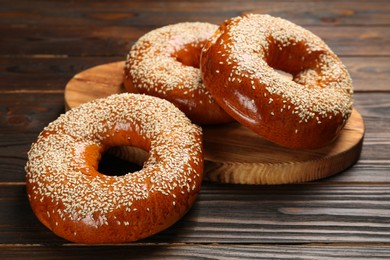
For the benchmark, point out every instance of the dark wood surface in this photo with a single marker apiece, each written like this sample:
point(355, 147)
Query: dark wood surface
point(44, 43)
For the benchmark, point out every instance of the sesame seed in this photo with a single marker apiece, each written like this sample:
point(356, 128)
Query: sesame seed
point(56, 166)
point(321, 88)
point(153, 68)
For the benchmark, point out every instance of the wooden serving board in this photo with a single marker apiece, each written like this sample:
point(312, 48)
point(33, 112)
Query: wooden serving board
point(233, 153)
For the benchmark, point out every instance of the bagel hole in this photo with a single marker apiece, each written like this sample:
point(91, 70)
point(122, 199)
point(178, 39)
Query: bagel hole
point(189, 55)
point(121, 160)
point(291, 58)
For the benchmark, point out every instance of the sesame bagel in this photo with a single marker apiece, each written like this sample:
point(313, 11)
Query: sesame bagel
point(239, 64)
point(165, 63)
point(80, 204)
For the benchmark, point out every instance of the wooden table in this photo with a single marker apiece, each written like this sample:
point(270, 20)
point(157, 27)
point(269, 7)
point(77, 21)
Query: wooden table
point(44, 43)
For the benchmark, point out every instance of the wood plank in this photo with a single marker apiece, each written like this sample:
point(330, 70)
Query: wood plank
point(20, 74)
point(65, 41)
point(310, 213)
point(217, 251)
point(327, 13)
point(50, 73)
point(288, 214)
point(24, 115)
point(28, 112)
point(116, 40)
point(155, 14)
point(368, 73)
point(356, 40)
point(370, 168)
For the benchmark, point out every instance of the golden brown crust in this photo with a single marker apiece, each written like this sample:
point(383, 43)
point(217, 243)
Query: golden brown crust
point(238, 65)
point(165, 63)
point(75, 201)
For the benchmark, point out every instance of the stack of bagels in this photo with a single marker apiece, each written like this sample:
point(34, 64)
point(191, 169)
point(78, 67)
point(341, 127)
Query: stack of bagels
point(178, 77)
point(216, 74)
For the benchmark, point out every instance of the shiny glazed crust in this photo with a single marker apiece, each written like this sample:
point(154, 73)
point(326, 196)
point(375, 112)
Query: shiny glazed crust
point(238, 67)
point(75, 201)
point(165, 63)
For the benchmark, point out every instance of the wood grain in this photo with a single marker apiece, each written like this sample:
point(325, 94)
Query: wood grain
point(97, 82)
point(23, 115)
point(325, 13)
point(261, 251)
point(233, 153)
point(45, 43)
point(43, 74)
point(240, 214)
point(51, 74)
point(113, 40)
